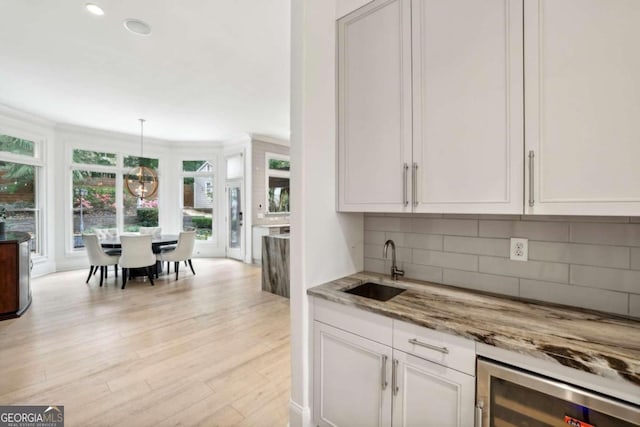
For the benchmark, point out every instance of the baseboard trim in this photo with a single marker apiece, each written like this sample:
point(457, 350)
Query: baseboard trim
point(299, 416)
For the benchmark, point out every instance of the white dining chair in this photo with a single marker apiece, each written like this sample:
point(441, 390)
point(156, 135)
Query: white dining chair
point(182, 252)
point(98, 258)
point(137, 253)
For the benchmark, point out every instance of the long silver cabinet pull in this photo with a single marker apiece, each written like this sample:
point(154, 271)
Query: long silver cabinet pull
point(415, 184)
point(405, 200)
point(384, 371)
point(531, 157)
point(479, 414)
point(414, 341)
point(394, 378)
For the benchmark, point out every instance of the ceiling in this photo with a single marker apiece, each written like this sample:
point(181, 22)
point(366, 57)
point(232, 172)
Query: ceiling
point(210, 70)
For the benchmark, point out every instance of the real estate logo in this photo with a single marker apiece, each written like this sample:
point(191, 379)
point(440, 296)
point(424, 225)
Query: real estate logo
point(32, 416)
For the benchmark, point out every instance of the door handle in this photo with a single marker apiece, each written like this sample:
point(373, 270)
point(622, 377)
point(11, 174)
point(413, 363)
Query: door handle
point(394, 377)
point(405, 172)
point(415, 184)
point(414, 341)
point(531, 157)
point(384, 371)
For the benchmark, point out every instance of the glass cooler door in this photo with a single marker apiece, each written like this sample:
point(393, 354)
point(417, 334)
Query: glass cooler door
point(513, 398)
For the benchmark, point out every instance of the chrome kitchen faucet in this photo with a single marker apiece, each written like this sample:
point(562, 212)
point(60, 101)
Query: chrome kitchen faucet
point(395, 271)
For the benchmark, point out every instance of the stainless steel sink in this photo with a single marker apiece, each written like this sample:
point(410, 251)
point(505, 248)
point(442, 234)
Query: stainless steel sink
point(375, 291)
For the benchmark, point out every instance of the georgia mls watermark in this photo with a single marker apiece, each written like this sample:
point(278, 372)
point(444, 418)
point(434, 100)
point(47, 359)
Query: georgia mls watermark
point(32, 416)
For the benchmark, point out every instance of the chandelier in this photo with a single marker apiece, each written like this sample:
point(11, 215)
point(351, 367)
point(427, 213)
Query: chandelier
point(141, 181)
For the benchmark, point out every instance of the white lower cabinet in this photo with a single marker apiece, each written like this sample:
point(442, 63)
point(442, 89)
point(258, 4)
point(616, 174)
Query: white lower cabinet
point(430, 395)
point(362, 381)
point(352, 378)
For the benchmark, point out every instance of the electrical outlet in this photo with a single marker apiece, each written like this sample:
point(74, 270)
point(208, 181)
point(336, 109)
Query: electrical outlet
point(519, 249)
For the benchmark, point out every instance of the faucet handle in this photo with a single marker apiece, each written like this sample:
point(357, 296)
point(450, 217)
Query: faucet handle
point(395, 272)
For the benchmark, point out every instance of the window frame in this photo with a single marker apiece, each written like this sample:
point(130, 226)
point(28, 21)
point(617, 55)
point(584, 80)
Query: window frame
point(195, 174)
point(38, 162)
point(278, 174)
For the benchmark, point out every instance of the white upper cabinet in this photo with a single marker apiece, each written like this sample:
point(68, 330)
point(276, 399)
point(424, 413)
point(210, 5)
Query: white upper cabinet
point(374, 107)
point(445, 137)
point(582, 81)
point(468, 105)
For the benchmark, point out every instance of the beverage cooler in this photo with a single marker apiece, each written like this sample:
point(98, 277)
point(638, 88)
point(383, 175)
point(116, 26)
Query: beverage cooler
point(509, 397)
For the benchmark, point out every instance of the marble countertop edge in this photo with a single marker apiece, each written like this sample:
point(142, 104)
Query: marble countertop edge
point(595, 342)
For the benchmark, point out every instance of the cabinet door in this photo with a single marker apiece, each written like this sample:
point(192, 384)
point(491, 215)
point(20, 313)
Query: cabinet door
point(582, 68)
point(430, 395)
point(468, 105)
point(352, 379)
point(374, 107)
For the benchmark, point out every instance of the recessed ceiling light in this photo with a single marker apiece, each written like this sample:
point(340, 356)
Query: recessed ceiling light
point(94, 8)
point(137, 26)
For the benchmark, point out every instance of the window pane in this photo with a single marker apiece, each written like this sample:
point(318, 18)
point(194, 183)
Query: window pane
point(197, 210)
point(14, 145)
point(94, 158)
point(139, 213)
point(278, 194)
point(94, 203)
point(133, 161)
point(18, 197)
point(280, 165)
point(197, 166)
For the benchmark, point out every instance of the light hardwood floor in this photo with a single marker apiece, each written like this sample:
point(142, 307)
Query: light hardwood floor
point(210, 349)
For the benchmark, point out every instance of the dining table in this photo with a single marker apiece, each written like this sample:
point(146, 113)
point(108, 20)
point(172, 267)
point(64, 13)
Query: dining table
point(157, 242)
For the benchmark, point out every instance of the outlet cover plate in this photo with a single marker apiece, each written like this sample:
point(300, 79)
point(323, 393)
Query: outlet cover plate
point(519, 249)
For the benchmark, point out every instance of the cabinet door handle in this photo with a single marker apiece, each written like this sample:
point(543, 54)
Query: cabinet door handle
point(405, 200)
point(414, 341)
point(531, 157)
point(479, 415)
point(415, 184)
point(384, 371)
point(394, 377)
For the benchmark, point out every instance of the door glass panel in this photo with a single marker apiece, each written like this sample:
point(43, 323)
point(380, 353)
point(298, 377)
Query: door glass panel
point(235, 217)
point(518, 406)
point(197, 205)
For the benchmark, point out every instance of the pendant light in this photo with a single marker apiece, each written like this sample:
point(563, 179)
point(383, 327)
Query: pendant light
point(142, 181)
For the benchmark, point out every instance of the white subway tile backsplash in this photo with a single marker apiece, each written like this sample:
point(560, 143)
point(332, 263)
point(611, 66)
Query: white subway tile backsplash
point(548, 231)
point(548, 271)
point(453, 227)
point(376, 252)
point(635, 258)
point(423, 272)
point(423, 241)
point(591, 262)
point(606, 278)
point(374, 265)
point(477, 245)
point(634, 305)
point(482, 282)
point(572, 253)
point(606, 234)
point(445, 259)
point(398, 239)
point(387, 223)
point(374, 237)
point(595, 299)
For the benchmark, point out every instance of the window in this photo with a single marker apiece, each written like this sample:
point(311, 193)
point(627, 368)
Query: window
point(278, 174)
point(98, 198)
point(94, 203)
point(139, 213)
point(19, 173)
point(198, 198)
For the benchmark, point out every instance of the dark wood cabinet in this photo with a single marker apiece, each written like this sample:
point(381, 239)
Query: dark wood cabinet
point(15, 268)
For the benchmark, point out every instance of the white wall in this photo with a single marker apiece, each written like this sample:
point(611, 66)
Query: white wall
point(324, 244)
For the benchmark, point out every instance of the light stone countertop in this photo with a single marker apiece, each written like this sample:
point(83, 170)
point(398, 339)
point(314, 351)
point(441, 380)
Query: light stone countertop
point(594, 342)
